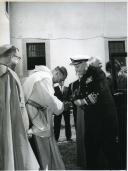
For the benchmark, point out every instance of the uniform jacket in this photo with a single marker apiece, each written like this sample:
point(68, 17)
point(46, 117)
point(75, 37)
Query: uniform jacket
point(100, 112)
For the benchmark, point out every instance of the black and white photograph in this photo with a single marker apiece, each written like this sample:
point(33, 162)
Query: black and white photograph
point(63, 85)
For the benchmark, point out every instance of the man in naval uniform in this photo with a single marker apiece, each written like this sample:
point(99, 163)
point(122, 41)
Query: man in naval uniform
point(101, 123)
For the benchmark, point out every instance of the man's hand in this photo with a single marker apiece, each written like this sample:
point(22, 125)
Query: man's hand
point(80, 102)
point(29, 133)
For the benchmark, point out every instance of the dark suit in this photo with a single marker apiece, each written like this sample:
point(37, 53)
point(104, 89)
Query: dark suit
point(66, 114)
point(101, 123)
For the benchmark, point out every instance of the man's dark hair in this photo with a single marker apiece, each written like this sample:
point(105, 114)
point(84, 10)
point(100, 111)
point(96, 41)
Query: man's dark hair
point(116, 65)
point(108, 66)
point(63, 70)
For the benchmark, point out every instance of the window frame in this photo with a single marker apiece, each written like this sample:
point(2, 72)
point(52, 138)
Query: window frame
point(107, 54)
point(37, 59)
point(26, 72)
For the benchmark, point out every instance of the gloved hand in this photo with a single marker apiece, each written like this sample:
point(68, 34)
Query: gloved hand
point(80, 102)
point(77, 102)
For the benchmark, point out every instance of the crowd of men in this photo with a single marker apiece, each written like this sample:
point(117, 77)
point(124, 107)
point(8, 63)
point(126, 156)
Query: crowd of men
point(28, 135)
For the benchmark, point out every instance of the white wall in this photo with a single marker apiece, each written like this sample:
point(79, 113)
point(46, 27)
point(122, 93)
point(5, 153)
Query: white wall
point(72, 28)
point(69, 48)
point(4, 25)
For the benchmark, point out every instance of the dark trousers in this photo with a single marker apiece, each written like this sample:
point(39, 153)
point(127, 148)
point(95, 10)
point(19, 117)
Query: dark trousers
point(75, 116)
point(121, 104)
point(57, 125)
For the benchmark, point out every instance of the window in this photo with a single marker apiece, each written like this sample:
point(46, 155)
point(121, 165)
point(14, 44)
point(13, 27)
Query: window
point(35, 51)
point(35, 55)
point(117, 54)
point(117, 51)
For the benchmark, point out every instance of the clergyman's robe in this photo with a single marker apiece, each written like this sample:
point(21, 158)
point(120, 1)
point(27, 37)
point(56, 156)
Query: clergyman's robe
point(15, 150)
point(38, 88)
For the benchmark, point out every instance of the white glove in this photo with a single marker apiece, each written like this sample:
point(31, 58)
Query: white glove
point(80, 102)
point(77, 102)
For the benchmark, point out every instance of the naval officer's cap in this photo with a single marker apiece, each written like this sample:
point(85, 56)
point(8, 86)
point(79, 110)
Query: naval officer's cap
point(79, 59)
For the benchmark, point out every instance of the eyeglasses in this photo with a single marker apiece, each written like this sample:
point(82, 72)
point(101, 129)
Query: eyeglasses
point(15, 59)
point(15, 56)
